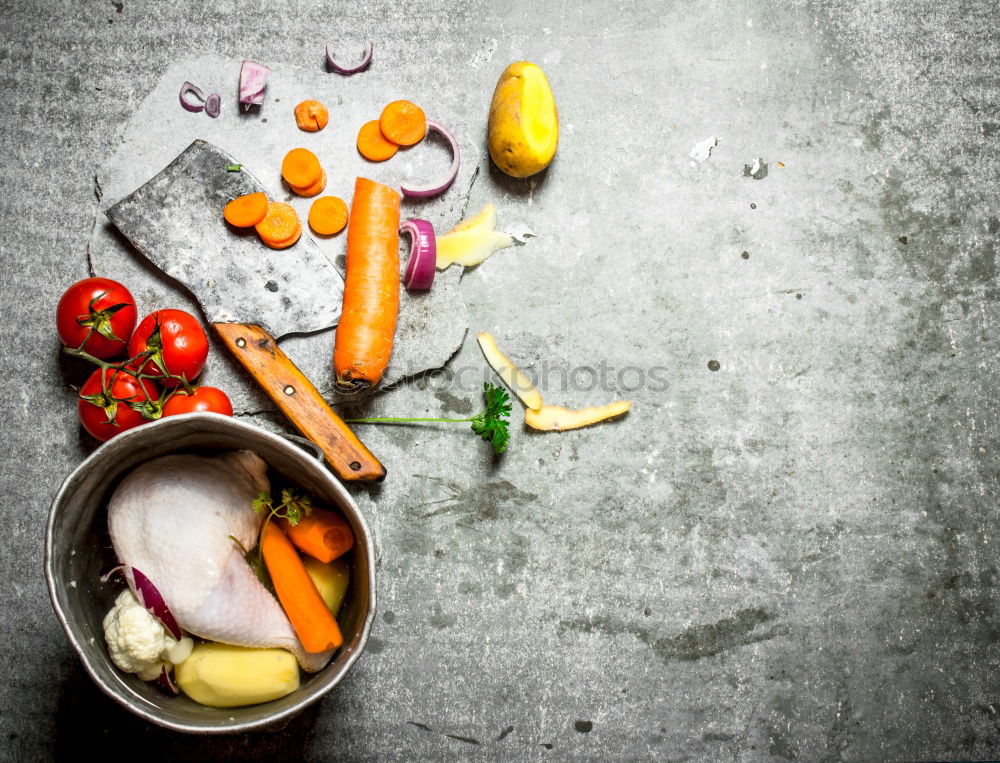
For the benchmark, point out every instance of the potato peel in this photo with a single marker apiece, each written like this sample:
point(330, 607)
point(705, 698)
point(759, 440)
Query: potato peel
point(485, 220)
point(512, 376)
point(555, 418)
point(472, 241)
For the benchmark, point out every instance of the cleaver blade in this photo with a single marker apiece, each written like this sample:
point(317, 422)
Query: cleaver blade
point(251, 295)
point(175, 221)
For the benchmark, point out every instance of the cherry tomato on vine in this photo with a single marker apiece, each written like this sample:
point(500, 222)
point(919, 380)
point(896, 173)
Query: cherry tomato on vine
point(207, 399)
point(104, 402)
point(100, 308)
point(177, 340)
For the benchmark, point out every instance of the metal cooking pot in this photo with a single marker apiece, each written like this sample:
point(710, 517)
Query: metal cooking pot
point(77, 549)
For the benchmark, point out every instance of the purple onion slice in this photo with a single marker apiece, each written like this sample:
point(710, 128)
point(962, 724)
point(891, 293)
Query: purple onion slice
point(188, 89)
point(213, 105)
point(427, 191)
point(165, 682)
point(422, 263)
point(149, 596)
point(365, 61)
point(253, 81)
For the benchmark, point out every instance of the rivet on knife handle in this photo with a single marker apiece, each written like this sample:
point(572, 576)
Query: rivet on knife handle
point(298, 399)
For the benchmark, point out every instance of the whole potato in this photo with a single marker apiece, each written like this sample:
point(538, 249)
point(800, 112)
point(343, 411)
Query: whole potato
point(523, 124)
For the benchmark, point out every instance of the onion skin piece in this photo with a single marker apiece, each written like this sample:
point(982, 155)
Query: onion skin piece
point(365, 61)
point(194, 108)
point(253, 82)
point(106, 574)
point(149, 597)
point(213, 105)
point(427, 191)
point(420, 265)
point(555, 418)
point(166, 683)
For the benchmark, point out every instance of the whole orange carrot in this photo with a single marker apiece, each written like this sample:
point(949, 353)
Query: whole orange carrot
point(312, 620)
point(371, 288)
point(324, 535)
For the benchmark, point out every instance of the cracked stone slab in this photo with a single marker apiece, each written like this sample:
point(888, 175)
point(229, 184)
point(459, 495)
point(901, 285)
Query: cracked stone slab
point(432, 325)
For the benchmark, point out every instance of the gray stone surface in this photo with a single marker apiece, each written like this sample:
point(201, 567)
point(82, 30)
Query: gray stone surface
point(792, 556)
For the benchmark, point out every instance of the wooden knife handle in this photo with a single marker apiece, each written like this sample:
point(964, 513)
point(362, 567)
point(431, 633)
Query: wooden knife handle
point(298, 399)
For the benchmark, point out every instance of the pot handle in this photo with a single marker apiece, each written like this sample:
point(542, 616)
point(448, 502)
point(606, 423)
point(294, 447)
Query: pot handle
point(306, 444)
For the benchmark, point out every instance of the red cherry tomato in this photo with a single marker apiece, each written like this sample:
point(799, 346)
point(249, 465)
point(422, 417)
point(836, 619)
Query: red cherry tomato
point(108, 394)
point(100, 307)
point(209, 399)
point(181, 344)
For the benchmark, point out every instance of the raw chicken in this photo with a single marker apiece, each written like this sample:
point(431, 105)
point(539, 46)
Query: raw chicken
point(172, 519)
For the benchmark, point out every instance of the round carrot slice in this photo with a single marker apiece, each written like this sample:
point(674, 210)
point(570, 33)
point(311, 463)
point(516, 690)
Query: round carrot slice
point(247, 210)
point(301, 168)
point(282, 227)
point(314, 190)
point(403, 123)
point(372, 144)
point(328, 215)
point(282, 244)
point(311, 116)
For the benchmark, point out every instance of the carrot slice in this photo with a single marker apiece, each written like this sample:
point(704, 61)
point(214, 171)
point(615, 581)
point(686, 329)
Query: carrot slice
point(372, 144)
point(282, 227)
point(314, 190)
point(371, 288)
point(403, 122)
point(328, 215)
point(301, 168)
point(247, 210)
point(271, 243)
point(312, 620)
point(311, 116)
point(324, 535)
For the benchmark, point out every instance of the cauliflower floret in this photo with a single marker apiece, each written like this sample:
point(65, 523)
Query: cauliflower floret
point(136, 640)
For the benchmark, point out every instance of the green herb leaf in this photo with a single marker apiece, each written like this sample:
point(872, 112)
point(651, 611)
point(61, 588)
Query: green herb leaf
point(492, 424)
point(234, 167)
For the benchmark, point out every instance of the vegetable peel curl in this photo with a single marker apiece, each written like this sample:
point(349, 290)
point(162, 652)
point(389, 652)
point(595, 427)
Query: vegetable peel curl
point(556, 418)
point(472, 241)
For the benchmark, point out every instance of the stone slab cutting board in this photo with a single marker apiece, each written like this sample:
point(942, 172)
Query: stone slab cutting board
point(432, 325)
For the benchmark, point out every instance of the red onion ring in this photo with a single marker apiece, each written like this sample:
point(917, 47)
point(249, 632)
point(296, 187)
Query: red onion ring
point(186, 88)
point(213, 105)
point(426, 191)
point(422, 262)
point(253, 81)
point(148, 595)
point(165, 682)
point(365, 61)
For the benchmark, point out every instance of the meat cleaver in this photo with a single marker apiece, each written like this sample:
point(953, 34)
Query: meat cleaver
point(252, 295)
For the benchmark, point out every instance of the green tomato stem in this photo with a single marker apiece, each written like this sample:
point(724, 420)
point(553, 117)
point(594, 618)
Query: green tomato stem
point(394, 420)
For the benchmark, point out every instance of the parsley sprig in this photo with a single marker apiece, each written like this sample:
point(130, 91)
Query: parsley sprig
point(294, 507)
point(490, 423)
